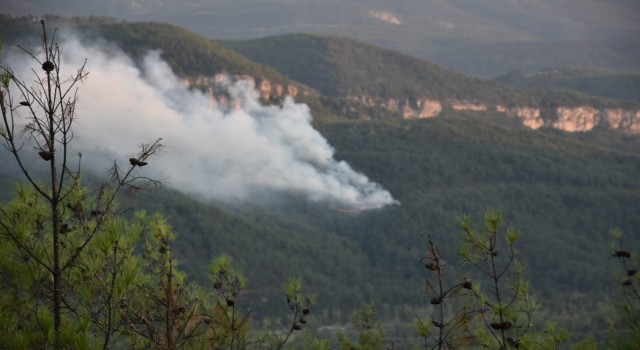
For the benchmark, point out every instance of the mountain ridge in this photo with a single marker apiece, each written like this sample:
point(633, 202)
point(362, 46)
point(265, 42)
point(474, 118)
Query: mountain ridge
point(301, 65)
point(614, 84)
point(415, 88)
point(485, 39)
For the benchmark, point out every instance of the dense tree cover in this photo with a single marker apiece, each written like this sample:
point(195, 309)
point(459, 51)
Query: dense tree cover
point(628, 277)
point(497, 311)
point(604, 83)
point(565, 192)
point(341, 67)
point(267, 248)
point(337, 67)
point(188, 53)
point(370, 333)
point(76, 274)
point(124, 289)
point(489, 59)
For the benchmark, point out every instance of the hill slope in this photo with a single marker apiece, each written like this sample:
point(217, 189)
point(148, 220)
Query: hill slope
point(188, 53)
point(564, 191)
point(604, 83)
point(344, 67)
point(359, 80)
point(409, 87)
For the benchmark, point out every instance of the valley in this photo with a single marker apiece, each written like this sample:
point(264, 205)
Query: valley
point(560, 165)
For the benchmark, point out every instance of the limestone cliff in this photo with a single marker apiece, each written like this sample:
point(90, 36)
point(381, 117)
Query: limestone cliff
point(570, 119)
point(530, 116)
point(621, 119)
point(583, 118)
point(269, 91)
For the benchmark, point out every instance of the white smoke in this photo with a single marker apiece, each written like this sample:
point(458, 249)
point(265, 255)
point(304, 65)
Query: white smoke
point(213, 151)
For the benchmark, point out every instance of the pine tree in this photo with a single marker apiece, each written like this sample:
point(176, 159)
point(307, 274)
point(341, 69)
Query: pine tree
point(501, 290)
point(37, 120)
point(72, 274)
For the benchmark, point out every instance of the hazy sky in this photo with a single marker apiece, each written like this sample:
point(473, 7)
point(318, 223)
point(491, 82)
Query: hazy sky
point(502, 19)
point(485, 38)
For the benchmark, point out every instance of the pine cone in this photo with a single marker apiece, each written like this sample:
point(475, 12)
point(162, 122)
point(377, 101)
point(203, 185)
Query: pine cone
point(48, 66)
point(136, 162)
point(622, 254)
point(501, 326)
point(431, 265)
point(46, 155)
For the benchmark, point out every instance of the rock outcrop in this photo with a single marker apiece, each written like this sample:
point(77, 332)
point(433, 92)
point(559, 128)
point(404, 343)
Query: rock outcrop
point(570, 119)
point(620, 119)
point(583, 118)
point(386, 17)
point(269, 91)
point(464, 105)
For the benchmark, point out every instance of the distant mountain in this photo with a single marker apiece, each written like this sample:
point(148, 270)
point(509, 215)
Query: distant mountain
point(493, 58)
point(357, 80)
point(485, 38)
point(505, 19)
point(410, 87)
point(604, 83)
point(342, 67)
point(188, 53)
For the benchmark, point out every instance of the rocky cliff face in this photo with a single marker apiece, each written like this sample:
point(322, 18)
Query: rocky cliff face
point(586, 118)
point(530, 116)
point(216, 86)
point(628, 120)
point(583, 118)
point(570, 119)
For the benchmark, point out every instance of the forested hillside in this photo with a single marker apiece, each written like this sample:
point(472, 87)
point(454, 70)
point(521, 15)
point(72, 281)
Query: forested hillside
point(187, 52)
point(343, 67)
point(564, 191)
point(606, 83)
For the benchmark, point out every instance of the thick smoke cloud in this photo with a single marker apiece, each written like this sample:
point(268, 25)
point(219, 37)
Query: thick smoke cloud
point(216, 151)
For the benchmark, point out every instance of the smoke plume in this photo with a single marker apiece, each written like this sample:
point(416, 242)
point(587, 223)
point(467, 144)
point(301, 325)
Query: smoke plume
point(212, 150)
